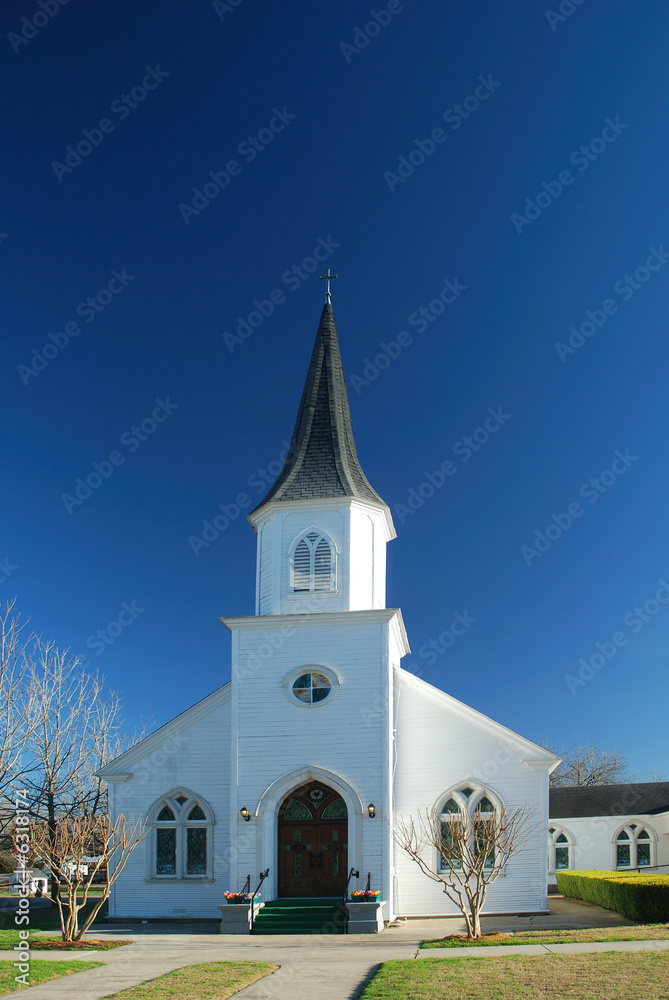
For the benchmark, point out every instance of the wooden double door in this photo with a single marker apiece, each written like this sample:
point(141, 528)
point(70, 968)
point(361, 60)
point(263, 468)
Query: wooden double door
point(313, 843)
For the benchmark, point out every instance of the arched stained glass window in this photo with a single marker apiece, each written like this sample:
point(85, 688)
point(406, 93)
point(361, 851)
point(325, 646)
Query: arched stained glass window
point(336, 810)
point(181, 838)
point(296, 810)
point(634, 847)
point(464, 827)
point(560, 846)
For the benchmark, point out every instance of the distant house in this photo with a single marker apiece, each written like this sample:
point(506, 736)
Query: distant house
point(86, 867)
point(609, 827)
point(34, 878)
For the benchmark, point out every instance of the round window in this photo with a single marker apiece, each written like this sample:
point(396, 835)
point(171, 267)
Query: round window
point(312, 687)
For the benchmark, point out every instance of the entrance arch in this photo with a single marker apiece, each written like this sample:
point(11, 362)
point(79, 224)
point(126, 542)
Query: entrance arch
point(312, 842)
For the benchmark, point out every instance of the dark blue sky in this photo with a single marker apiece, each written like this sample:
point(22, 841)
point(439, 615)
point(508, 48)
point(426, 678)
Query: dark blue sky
point(429, 149)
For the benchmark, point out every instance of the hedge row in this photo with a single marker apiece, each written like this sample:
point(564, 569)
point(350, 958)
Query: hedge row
point(638, 896)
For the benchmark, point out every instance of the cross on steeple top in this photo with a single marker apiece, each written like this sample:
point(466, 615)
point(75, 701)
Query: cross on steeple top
point(327, 277)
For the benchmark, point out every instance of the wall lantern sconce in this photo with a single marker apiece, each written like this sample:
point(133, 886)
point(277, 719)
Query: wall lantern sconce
point(371, 809)
point(245, 814)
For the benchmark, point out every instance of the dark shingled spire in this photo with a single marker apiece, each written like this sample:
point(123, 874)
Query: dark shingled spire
point(322, 460)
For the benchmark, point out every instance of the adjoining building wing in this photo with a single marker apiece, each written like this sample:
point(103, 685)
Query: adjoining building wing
point(609, 827)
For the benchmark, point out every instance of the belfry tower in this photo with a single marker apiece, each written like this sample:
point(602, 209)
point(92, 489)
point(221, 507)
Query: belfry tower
point(312, 673)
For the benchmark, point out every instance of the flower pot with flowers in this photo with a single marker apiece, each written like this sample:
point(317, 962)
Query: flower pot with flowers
point(365, 895)
point(238, 897)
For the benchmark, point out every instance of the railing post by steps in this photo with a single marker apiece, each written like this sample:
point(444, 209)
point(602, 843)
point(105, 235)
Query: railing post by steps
point(262, 876)
point(352, 873)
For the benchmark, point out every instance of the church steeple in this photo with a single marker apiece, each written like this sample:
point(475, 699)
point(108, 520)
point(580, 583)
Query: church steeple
point(322, 461)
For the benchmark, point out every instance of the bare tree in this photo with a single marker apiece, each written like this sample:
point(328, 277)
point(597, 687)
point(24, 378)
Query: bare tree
point(587, 764)
point(15, 712)
point(472, 850)
point(75, 729)
point(67, 855)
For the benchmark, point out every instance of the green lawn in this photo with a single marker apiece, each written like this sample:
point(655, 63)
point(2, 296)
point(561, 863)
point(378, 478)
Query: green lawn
point(44, 918)
point(618, 975)
point(207, 981)
point(40, 972)
point(645, 932)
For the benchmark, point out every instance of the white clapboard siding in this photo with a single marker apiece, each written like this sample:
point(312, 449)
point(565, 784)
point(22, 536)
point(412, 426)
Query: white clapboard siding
point(180, 755)
point(277, 735)
point(359, 533)
point(441, 743)
point(265, 568)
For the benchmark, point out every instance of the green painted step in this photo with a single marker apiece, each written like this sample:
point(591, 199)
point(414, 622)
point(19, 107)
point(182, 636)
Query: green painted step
point(301, 904)
point(301, 916)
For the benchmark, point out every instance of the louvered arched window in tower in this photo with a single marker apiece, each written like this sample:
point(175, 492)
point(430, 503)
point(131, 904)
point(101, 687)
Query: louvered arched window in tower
point(312, 564)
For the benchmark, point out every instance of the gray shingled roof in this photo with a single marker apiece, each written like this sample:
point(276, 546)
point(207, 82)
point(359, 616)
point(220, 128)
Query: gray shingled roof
point(609, 800)
point(322, 460)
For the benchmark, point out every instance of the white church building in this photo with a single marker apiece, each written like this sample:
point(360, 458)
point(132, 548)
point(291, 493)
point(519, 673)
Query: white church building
point(303, 761)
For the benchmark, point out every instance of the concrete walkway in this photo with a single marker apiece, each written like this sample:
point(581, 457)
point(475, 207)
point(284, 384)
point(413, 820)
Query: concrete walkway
point(331, 967)
point(328, 967)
